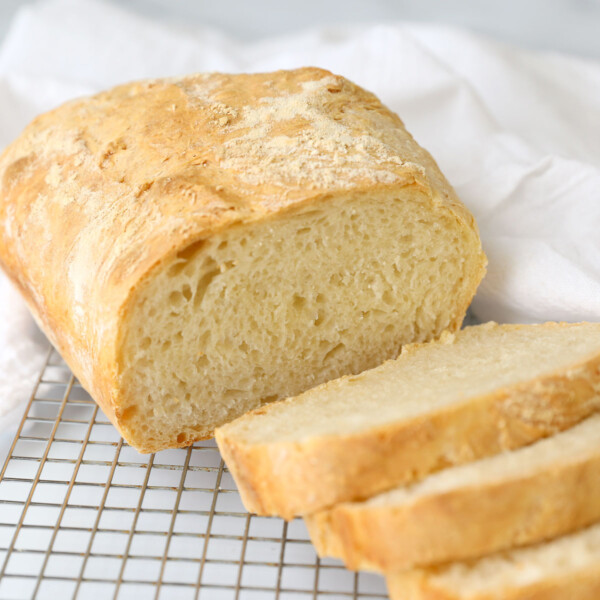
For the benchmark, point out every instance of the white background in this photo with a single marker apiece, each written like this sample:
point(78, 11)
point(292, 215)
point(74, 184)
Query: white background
point(565, 25)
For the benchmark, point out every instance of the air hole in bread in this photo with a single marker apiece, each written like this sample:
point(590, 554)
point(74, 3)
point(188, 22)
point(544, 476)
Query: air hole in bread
point(203, 284)
point(298, 302)
point(175, 299)
point(187, 292)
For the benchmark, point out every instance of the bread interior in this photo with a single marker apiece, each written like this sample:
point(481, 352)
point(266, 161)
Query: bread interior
point(267, 310)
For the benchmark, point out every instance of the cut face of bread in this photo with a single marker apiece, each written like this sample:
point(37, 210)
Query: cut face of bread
point(264, 312)
point(512, 499)
point(486, 389)
point(567, 568)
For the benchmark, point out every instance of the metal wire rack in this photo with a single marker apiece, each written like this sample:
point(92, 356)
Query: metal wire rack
point(83, 515)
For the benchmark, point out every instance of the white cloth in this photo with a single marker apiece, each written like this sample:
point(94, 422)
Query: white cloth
point(516, 133)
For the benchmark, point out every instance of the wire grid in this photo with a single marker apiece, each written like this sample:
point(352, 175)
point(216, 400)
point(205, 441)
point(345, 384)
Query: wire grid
point(83, 515)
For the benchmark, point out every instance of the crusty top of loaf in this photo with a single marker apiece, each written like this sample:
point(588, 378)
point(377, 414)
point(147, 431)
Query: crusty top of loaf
point(100, 190)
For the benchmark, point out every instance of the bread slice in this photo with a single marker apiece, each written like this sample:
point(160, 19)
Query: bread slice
point(197, 246)
point(566, 568)
point(512, 499)
point(485, 389)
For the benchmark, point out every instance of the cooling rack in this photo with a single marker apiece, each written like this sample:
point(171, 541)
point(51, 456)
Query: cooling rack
point(83, 515)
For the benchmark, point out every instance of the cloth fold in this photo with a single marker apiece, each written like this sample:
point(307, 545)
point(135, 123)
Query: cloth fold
point(517, 133)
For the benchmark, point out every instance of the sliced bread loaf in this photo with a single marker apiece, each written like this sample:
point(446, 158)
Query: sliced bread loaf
point(566, 568)
point(485, 389)
point(512, 499)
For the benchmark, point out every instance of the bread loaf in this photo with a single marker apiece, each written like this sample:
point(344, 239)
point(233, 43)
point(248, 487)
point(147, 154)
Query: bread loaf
point(473, 394)
point(197, 246)
point(515, 498)
point(566, 568)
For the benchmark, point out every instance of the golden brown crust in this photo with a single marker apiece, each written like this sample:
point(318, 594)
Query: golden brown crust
point(98, 193)
point(463, 523)
point(419, 585)
point(300, 478)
